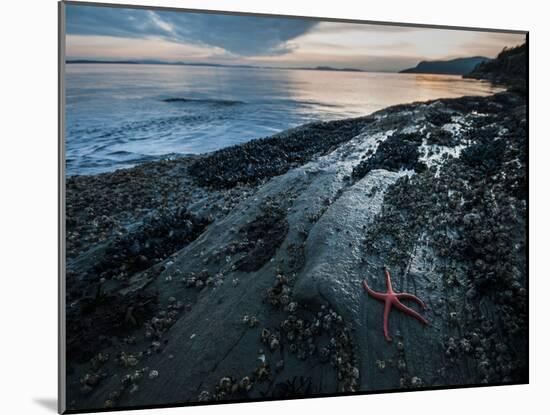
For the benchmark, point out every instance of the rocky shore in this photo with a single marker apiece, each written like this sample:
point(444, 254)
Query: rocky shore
point(237, 275)
point(509, 68)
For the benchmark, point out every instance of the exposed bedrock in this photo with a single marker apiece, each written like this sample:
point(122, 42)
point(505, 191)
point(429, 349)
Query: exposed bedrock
point(267, 300)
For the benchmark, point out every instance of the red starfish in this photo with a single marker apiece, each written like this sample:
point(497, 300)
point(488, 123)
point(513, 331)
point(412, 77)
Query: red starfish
point(392, 298)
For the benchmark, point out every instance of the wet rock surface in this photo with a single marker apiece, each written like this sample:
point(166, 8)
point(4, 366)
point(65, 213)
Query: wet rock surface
point(262, 238)
point(261, 159)
point(397, 152)
point(257, 292)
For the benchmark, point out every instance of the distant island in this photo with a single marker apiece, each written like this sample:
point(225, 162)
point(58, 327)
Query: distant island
point(221, 65)
point(459, 66)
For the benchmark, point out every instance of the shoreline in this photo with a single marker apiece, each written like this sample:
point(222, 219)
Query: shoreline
point(349, 120)
point(212, 260)
point(114, 145)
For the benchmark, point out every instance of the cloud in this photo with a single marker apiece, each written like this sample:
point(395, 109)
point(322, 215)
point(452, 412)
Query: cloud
point(116, 48)
point(126, 33)
point(240, 35)
point(382, 48)
point(493, 43)
point(117, 22)
point(345, 27)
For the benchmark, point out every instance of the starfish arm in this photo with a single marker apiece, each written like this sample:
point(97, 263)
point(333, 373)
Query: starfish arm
point(409, 311)
point(372, 293)
point(387, 309)
point(388, 281)
point(407, 296)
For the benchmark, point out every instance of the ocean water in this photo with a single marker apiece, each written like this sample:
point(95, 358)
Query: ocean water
point(121, 115)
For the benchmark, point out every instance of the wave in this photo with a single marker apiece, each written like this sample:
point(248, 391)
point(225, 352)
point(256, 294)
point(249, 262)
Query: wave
point(204, 101)
point(121, 153)
point(313, 103)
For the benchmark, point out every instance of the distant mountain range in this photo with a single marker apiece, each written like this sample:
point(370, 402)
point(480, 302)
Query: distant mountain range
point(459, 66)
point(153, 62)
point(157, 62)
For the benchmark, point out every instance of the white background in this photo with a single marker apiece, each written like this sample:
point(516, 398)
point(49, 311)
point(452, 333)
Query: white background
point(28, 203)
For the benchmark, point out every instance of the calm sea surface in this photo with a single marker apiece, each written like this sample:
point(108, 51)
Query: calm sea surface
point(121, 115)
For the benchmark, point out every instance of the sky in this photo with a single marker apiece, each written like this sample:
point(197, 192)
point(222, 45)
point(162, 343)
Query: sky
point(133, 34)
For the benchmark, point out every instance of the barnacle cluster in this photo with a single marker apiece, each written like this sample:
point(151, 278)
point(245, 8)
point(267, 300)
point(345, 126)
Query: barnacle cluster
point(470, 214)
point(323, 336)
point(279, 294)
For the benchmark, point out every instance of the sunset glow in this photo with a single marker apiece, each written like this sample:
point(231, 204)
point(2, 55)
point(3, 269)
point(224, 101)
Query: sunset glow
point(119, 34)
